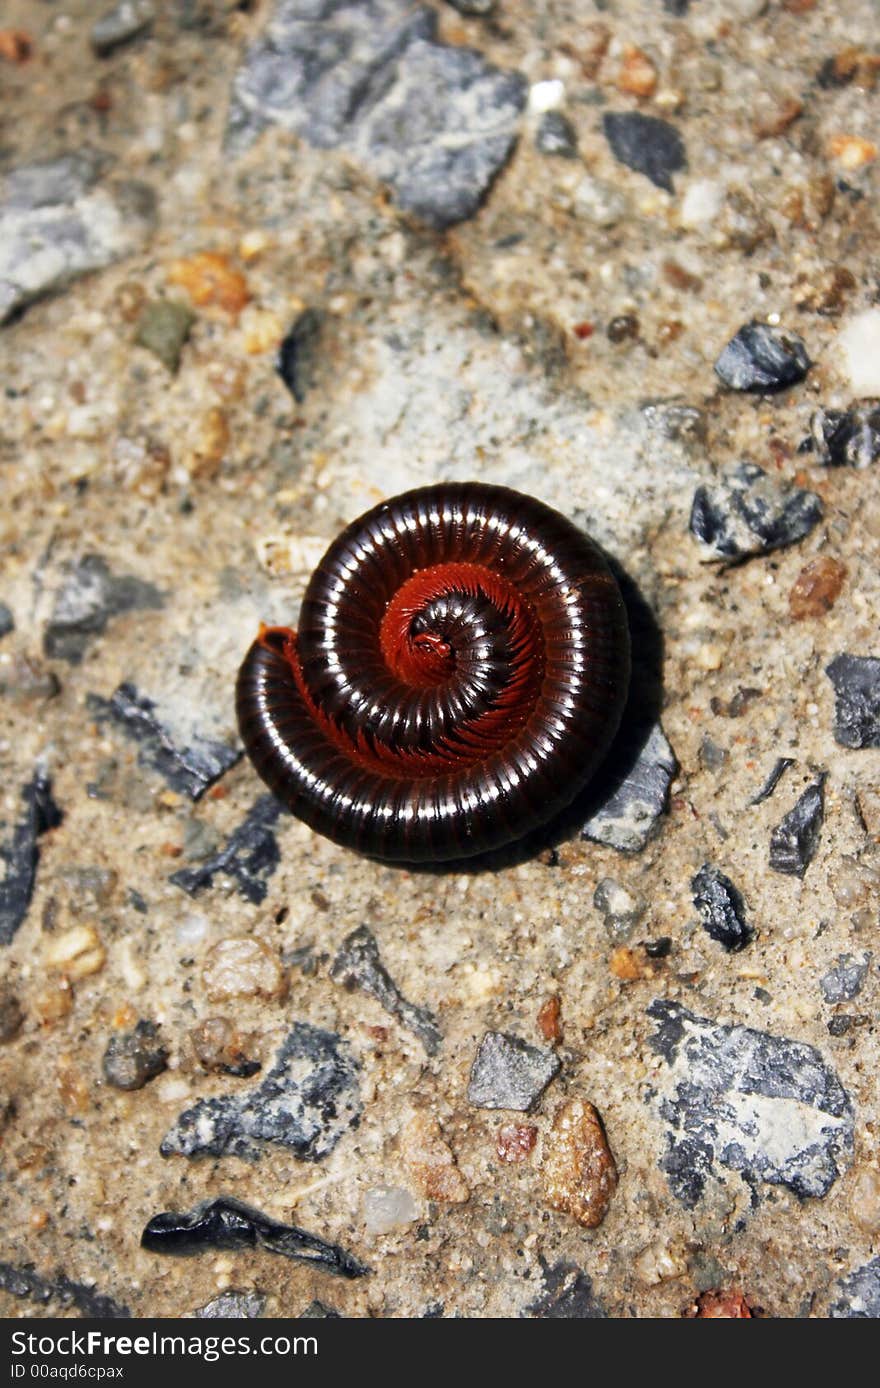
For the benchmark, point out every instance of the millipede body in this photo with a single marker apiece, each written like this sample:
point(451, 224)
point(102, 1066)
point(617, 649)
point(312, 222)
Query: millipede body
point(460, 669)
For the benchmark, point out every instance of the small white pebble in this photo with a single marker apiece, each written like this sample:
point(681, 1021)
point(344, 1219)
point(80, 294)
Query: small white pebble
point(859, 342)
point(546, 96)
point(702, 202)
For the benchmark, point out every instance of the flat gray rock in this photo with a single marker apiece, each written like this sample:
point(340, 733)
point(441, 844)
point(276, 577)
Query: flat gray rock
point(309, 1098)
point(859, 1294)
point(433, 121)
point(735, 1099)
point(747, 512)
point(509, 1073)
point(57, 222)
point(634, 806)
point(844, 980)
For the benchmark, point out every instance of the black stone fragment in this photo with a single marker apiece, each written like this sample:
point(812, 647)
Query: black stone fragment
point(859, 1294)
point(742, 1100)
point(660, 948)
point(20, 852)
point(677, 7)
point(845, 980)
point(637, 800)
point(856, 680)
point(233, 1305)
point(125, 21)
point(318, 1311)
point(833, 73)
point(132, 1058)
point(86, 601)
point(191, 769)
point(777, 772)
point(358, 965)
point(763, 359)
point(249, 856)
point(844, 438)
point(7, 621)
point(11, 1015)
point(795, 839)
point(227, 1223)
point(646, 144)
point(473, 7)
point(747, 513)
point(721, 908)
point(568, 1295)
point(25, 1283)
point(306, 1102)
point(556, 135)
point(297, 355)
point(508, 1073)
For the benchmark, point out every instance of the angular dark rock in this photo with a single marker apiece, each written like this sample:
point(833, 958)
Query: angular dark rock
point(508, 1073)
point(227, 1223)
point(844, 981)
point(473, 7)
point(747, 512)
point(11, 1015)
point(735, 1098)
point(777, 771)
point(795, 839)
point(57, 222)
point(568, 1295)
point(163, 329)
point(88, 598)
point(318, 1311)
point(856, 680)
point(123, 22)
point(859, 1294)
point(620, 910)
point(306, 1102)
point(763, 359)
point(646, 144)
point(249, 856)
point(188, 768)
point(297, 353)
point(556, 135)
point(844, 438)
point(434, 121)
point(233, 1305)
point(358, 965)
point(132, 1058)
point(721, 908)
point(20, 852)
point(27, 1284)
point(7, 621)
point(637, 801)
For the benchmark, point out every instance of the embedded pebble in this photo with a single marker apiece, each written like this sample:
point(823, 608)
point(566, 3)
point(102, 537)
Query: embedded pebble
point(233, 1305)
point(387, 1208)
point(123, 22)
point(746, 512)
point(844, 438)
point(163, 329)
point(307, 1102)
point(89, 597)
point(358, 965)
point(578, 1170)
point(762, 358)
point(845, 980)
point(858, 1295)
point(795, 838)
point(816, 588)
point(721, 908)
point(11, 1015)
point(298, 354)
point(646, 144)
point(431, 1162)
point(243, 967)
point(76, 952)
point(132, 1058)
point(856, 681)
point(567, 1294)
point(219, 1046)
point(7, 621)
point(865, 1199)
point(620, 910)
point(859, 346)
point(777, 771)
point(515, 1141)
point(743, 1100)
point(556, 135)
point(639, 784)
point(509, 1073)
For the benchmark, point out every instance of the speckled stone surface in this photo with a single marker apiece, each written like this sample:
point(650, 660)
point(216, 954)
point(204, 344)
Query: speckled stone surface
point(478, 307)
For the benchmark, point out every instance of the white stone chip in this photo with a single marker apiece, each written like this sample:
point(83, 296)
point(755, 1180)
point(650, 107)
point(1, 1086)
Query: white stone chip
point(859, 343)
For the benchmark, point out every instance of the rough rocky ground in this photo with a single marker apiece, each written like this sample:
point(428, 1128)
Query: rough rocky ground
point(471, 280)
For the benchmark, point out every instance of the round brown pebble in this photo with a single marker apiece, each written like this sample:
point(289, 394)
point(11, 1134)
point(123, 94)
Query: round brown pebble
point(580, 1174)
point(515, 1141)
point(816, 588)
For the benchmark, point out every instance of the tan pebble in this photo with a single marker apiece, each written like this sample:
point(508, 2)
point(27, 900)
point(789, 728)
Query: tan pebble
point(777, 120)
point(637, 75)
point(660, 1262)
point(515, 1141)
point(580, 1174)
point(591, 45)
point(431, 1163)
point(241, 967)
point(53, 1002)
point(262, 329)
point(851, 151)
point(77, 952)
point(253, 244)
point(220, 1046)
point(211, 444)
point(864, 1200)
point(211, 281)
point(630, 964)
point(550, 1020)
point(38, 1220)
point(816, 588)
point(73, 1087)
